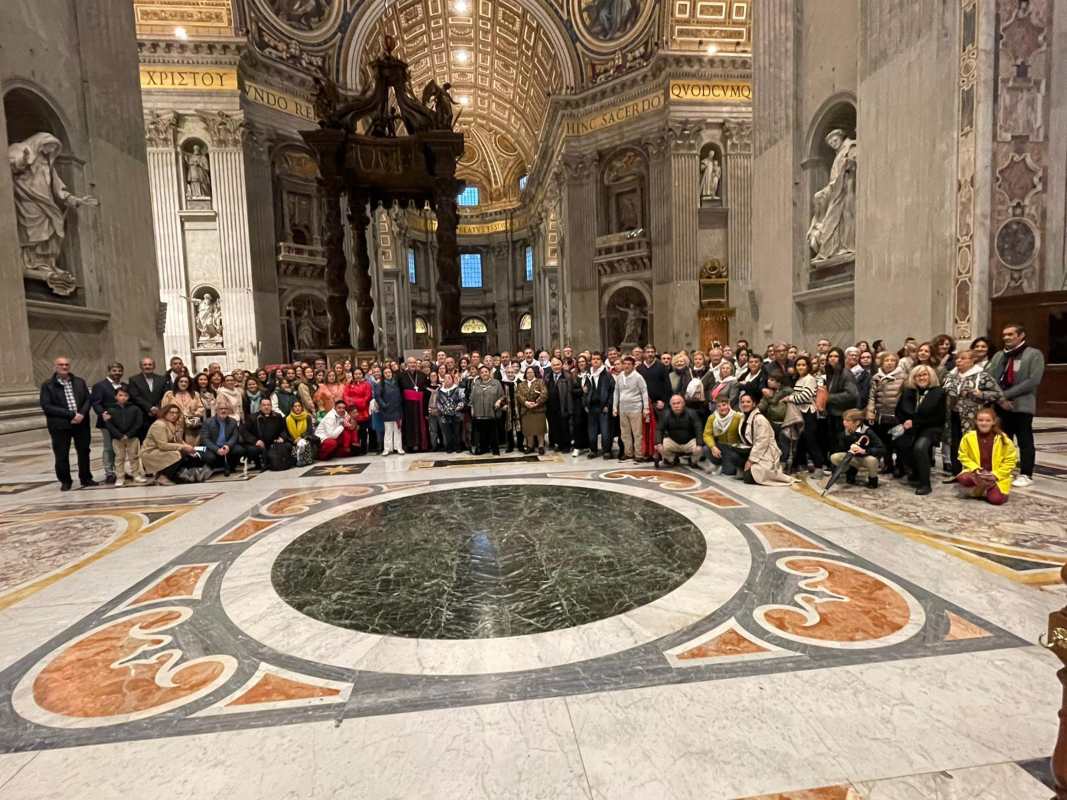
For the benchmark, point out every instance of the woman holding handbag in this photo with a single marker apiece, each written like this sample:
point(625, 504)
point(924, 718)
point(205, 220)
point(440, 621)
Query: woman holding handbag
point(805, 392)
point(191, 407)
point(886, 386)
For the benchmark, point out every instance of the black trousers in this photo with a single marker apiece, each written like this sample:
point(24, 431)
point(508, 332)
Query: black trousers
point(732, 461)
point(80, 435)
point(916, 451)
point(956, 430)
point(808, 445)
point(1021, 427)
point(452, 433)
point(232, 459)
point(485, 433)
point(559, 430)
point(185, 462)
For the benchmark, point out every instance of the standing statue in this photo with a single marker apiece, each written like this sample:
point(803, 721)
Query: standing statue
point(41, 203)
point(443, 105)
point(710, 176)
point(208, 320)
point(197, 175)
point(635, 318)
point(307, 329)
point(833, 222)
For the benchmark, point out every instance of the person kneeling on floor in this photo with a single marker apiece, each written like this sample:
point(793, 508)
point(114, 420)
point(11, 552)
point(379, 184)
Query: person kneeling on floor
point(678, 433)
point(722, 438)
point(988, 458)
point(336, 433)
point(866, 448)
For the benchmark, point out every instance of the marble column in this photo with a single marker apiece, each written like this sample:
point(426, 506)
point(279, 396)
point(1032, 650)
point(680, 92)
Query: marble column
point(738, 138)
point(260, 197)
point(448, 278)
point(661, 241)
point(361, 285)
point(580, 214)
point(228, 190)
point(165, 183)
point(685, 258)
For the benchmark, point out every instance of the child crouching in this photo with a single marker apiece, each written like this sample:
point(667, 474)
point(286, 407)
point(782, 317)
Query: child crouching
point(866, 448)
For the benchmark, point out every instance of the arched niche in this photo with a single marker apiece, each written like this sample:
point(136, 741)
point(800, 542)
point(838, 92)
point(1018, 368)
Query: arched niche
point(297, 205)
point(305, 321)
point(208, 323)
point(838, 111)
point(712, 175)
point(830, 213)
point(625, 304)
point(623, 188)
point(196, 172)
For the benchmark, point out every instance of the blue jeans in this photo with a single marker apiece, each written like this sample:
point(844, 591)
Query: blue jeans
point(599, 422)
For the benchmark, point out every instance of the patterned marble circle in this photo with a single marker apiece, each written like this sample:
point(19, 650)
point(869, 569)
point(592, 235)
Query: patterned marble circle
point(488, 561)
point(253, 604)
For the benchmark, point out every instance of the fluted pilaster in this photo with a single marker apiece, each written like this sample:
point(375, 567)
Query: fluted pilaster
point(738, 135)
point(684, 201)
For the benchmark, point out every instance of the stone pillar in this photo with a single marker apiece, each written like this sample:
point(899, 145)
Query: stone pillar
point(684, 207)
point(447, 265)
point(260, 196)
point(228, 191)
point(18, 392)
point(503, 258)
point(580, 213)
point(661, 241)
point(738, 138)
point(165, 183)
point(338, 290)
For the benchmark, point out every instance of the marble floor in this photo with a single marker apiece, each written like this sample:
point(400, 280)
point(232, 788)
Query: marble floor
point(525, 628)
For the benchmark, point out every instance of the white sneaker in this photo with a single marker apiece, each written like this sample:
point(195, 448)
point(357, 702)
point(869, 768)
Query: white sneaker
point(1022, 482)
point(574, 452)
point(400, 453)
point(119, 483)
point(387, 452)
point(141, 480)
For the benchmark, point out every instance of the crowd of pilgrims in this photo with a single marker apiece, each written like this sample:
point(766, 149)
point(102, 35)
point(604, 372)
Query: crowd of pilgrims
point(758, 416)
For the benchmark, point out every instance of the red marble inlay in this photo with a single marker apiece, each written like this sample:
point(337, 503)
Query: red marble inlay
point(668, 480)
point(860, 607)
point(718, 499)
point(245, 531)
point(839, 792)
point(779, 537)
point(110, 672)
point(728, 643)
point(272, 688)
point(960, 629)
point(180, 583)
point(298, 503)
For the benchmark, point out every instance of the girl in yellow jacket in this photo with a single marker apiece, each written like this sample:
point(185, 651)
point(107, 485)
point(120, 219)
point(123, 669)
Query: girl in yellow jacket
point(988, 457)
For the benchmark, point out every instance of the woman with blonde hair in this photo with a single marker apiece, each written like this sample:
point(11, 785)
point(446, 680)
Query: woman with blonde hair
point(988, 458)
point(921, 413)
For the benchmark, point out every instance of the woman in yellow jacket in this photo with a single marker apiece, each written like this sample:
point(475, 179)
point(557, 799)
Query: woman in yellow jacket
point(988, 457)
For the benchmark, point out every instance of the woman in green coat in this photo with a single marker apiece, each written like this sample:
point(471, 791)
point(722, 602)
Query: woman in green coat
point(531, 396)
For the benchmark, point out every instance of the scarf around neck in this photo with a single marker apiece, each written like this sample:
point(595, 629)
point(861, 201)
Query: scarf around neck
point(722, 424)
point(1008, 378)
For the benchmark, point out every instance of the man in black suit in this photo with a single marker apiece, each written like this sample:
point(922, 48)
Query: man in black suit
point(599, 390)
point(102, 398)
point(65, 402)
point(560, 405)
point(146, 392)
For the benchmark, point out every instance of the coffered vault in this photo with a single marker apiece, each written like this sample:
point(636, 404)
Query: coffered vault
point(504, 59)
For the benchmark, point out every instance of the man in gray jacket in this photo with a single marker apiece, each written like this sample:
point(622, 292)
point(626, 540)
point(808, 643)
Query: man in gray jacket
point(631, 406)
point(1018, 369)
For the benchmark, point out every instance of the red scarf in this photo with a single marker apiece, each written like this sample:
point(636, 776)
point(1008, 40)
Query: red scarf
point(1007, 380)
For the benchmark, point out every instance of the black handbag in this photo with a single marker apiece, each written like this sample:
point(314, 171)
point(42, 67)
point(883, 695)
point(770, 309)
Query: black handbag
point(280, 456)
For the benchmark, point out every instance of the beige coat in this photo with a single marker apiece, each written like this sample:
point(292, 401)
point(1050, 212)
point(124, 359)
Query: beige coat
point(162, 447)
point(192, 409)
point(765, 455)
point(533, 419)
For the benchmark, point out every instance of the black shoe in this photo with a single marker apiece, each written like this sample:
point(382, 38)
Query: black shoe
point(496, 451)
point(65, 487)
point(88, 483)
point(850, 477)
point(656, 459)
point(592, 454)
point(109, 479)
point(923, 490)
point(872, 481)
point(540, 451)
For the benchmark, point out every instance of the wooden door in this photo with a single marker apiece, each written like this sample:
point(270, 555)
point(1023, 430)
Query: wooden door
point(1044, 315)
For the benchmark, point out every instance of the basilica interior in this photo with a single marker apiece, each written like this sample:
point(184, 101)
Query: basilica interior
point(215, 186)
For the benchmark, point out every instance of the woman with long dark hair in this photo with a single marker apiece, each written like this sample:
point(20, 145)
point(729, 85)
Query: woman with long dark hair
point(841, 395)
point(803, 398)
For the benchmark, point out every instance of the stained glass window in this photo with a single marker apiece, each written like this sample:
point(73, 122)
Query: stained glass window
point(470, 270)
point(468, 197)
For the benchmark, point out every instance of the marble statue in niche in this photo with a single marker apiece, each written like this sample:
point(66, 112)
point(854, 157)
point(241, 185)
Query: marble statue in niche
point(610, 19)
point(208, 320)
point(197, 174)
point(309, 329)
point(832, 232)
point(304, 14)
point(626, 318)
point(629, 217)
point(41, 204)
point(710, 176)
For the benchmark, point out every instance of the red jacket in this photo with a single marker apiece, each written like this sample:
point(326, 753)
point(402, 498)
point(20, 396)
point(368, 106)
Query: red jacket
point(358, 396)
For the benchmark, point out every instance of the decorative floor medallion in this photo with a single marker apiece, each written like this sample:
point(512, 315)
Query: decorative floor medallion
point(367, 599)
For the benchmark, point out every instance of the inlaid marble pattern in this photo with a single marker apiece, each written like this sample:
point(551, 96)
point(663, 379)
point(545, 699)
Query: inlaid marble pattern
point(206, 642)
point(1024, 539)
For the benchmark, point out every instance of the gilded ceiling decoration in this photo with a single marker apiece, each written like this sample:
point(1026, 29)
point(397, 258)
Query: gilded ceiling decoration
point(724, 25)
point(196, 18)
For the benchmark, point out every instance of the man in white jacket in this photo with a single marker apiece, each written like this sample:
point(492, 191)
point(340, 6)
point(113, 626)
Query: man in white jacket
point(337, 433)
point(631, 407)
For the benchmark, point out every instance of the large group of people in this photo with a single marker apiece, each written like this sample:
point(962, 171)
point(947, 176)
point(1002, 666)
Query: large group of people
point(760, 417)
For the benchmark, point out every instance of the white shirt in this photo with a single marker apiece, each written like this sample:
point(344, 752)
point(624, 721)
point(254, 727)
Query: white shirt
point(331, 426)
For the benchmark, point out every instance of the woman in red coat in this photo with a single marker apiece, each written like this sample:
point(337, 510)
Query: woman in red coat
point(357, 397)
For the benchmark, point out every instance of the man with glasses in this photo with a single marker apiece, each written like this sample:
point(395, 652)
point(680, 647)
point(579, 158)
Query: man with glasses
point(65, 402)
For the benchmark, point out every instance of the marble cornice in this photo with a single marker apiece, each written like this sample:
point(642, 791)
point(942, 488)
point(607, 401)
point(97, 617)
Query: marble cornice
point(279, 76)
point(226, 52)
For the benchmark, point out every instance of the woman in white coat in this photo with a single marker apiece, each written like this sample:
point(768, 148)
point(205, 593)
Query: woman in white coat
point(764, 459)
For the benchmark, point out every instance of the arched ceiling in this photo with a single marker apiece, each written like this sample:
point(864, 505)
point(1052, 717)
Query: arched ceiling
point(503, 61)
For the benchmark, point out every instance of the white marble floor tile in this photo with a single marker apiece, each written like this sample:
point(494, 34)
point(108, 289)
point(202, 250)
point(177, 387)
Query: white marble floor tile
point(11, 764)
point(991, 782)
point(722, 739)
point(513, 750)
